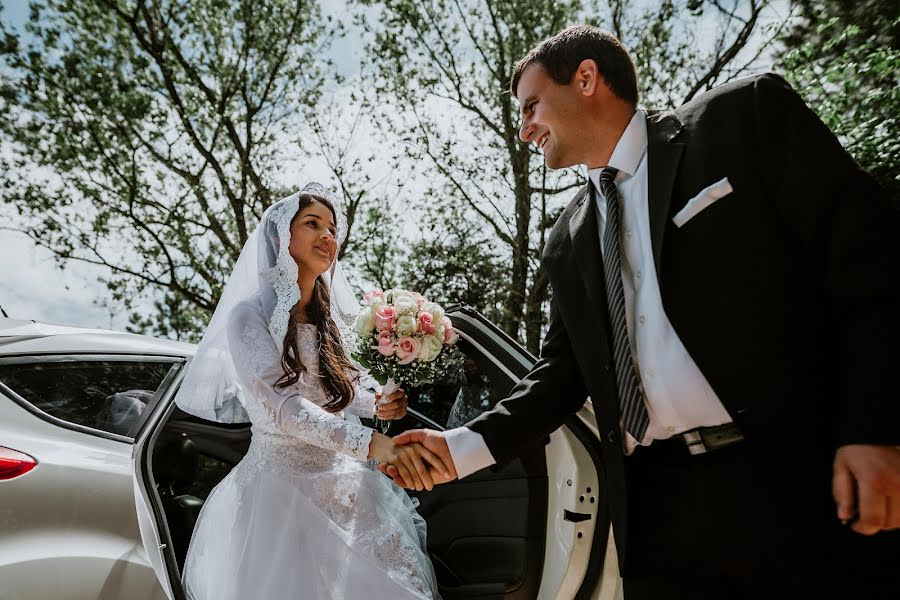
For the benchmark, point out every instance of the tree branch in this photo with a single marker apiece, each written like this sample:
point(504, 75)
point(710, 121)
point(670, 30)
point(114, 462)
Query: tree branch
point(722, 59)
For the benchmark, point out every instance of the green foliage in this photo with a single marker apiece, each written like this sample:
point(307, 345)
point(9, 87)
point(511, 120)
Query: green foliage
point(144, 135)
point(380, 252)
point(875, 19)
point(415, 374)
point(458, 265)
point(148, 136)
point(441, 71)
point(852, 81)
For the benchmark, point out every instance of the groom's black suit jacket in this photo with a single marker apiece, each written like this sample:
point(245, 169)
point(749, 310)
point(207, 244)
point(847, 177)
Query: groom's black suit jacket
point(785, 292)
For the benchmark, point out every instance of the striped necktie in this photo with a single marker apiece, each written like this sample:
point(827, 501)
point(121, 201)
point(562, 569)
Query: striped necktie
point(631, 396)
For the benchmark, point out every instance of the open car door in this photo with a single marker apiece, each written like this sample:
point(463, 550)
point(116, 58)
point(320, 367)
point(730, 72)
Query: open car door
point(151, 520)
point(534, 528)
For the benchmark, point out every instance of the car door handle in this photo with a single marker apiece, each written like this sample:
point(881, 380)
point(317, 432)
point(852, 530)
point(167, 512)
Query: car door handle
point(575, 517)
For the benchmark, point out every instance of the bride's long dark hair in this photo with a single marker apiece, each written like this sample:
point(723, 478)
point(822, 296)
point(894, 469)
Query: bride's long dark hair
point(335, 368)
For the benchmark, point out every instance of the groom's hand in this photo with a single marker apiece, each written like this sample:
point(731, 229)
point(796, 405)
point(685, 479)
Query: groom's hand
point(866, 487)
point(433, 441)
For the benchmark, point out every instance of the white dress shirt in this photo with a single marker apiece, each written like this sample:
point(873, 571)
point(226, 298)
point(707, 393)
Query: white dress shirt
point(678, 396)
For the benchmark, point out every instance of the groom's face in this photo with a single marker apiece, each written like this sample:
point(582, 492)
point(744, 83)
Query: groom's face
point(550, 116)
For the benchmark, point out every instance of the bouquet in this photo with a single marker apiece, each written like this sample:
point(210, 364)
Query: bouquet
point(404, 340)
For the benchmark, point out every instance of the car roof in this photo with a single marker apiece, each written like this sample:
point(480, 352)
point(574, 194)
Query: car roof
point(31, 337)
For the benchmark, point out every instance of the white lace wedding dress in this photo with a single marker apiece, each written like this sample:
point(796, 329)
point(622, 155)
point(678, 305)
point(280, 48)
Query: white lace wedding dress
point(303, 515)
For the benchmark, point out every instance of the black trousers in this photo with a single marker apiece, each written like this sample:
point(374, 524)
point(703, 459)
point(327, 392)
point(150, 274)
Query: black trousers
point(713, 526)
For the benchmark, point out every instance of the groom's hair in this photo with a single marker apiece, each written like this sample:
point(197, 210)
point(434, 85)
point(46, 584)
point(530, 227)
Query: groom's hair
point(561, 54)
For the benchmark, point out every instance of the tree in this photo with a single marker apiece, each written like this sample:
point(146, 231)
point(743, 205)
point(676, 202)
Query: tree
point(457, 262)
point(876, 20)
point(844, 59)
point(148, 136)
point(443, 69)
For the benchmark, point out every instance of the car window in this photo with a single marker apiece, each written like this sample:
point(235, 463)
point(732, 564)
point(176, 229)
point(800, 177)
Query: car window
point(459, 397)
point(105, 395)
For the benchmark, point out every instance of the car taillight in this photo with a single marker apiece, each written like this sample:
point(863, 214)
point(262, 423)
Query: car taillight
point(14, 463)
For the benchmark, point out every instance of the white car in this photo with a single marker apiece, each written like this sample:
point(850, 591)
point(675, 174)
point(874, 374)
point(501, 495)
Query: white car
point(102, 476)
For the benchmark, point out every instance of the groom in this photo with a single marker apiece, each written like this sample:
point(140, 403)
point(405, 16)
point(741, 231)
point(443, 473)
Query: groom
point(726, 290)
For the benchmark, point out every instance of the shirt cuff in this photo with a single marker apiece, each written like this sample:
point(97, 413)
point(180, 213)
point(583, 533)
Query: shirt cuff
point(468, 451)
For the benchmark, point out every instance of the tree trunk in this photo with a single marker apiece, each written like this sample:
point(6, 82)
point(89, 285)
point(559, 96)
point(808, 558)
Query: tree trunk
point(534, 314)
point(516, 293)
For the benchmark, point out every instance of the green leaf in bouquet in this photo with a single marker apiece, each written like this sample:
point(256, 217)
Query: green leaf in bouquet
point(362, 360)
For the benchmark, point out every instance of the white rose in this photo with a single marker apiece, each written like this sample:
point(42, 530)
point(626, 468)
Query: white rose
point(430, 347)
point(365, 322)
point(406, 324)
point(405, 305)
point(437, 313)
point(375, 298)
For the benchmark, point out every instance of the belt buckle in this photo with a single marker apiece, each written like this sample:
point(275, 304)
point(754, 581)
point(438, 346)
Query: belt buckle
point(704, 439)
point(694, 441)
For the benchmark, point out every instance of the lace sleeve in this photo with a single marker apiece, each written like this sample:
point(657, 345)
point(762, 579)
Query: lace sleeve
point(258, 365)
point(363, 404)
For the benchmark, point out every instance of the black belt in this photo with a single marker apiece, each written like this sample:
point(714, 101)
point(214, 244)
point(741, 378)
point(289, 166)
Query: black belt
point(699, 441)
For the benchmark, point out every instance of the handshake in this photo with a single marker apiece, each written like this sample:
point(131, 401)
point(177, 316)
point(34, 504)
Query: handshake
point(417, 459)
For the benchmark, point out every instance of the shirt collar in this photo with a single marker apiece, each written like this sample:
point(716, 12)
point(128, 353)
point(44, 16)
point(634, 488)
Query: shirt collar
point(629, 149)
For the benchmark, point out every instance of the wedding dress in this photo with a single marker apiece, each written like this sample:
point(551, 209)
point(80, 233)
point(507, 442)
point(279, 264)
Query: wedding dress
point(303, 515)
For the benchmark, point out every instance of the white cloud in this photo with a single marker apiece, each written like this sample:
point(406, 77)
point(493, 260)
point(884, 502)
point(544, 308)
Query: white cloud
point(33, 287)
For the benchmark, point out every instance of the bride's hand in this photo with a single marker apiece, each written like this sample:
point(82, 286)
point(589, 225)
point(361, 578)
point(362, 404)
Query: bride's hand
point(393, 409)
point(409, 460)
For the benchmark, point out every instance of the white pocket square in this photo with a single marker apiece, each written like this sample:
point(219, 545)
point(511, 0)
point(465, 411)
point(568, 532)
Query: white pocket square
point(702, 200)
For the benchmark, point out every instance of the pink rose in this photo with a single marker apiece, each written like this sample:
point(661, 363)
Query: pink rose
point(450, 336)
point(374, 297)
point(385, 344)
point(420, 300)
point(407, 349)
point(384, 318)
point(426, 324)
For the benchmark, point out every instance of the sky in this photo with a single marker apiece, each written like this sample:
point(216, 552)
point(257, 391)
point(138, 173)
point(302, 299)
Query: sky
point(33, 286)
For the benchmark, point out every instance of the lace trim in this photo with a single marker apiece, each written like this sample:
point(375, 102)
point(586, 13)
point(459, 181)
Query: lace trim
point(312, 424)
point(399, 555)
point(283, 274)
point(333, 434)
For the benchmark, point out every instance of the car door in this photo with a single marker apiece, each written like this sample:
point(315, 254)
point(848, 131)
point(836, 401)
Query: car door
point(69, 526)
point(153, 524)
point(534, 528)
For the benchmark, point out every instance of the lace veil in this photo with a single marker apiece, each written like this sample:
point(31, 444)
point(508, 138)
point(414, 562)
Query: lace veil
point(210, 389)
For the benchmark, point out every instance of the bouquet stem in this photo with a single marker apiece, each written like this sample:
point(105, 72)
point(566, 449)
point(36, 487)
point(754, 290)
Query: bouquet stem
point(387, 389)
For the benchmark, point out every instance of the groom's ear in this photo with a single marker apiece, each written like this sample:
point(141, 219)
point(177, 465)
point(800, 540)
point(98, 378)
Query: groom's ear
point(588, 78)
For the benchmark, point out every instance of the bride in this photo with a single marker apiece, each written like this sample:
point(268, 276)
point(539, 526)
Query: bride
point(302, 515)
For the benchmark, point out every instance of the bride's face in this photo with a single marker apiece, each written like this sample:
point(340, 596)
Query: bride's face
point(313, 245)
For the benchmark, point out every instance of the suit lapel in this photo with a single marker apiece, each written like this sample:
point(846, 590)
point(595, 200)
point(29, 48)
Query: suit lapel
point(663, 157)
point(583, 230)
